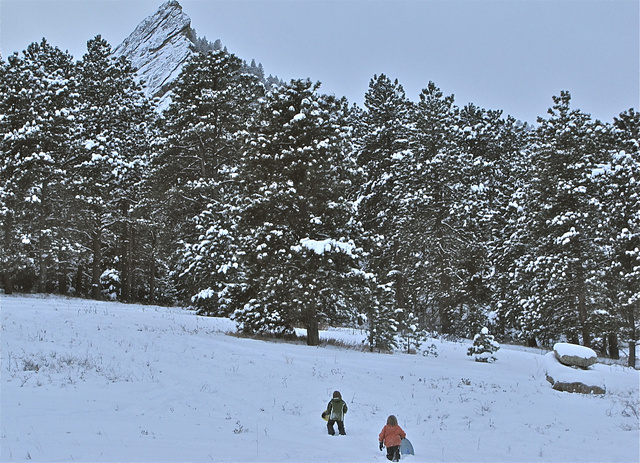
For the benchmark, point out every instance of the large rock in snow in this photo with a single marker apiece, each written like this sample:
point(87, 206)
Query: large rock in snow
point(575, 356)
point(159, 47)
point(569, 379)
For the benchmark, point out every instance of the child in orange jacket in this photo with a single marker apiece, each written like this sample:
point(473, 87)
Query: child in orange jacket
point(391, 436)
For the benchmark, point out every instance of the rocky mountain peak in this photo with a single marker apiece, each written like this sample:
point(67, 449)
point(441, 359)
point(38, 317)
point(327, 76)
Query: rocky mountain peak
point(159, 47)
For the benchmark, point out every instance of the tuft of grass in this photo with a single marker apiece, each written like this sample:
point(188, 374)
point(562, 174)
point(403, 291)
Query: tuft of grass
point(239, 429)
point(268, 337)
point(30, 365)
point(299, 340)
point(344, 345)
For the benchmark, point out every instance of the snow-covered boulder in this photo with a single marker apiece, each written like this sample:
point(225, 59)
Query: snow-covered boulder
point(570, 379)
point(574, 356)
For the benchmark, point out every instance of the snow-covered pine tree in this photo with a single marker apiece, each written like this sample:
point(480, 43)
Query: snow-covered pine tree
point(297, 232)
point(378, 317)
point(112, 158)
point(561, 217)
point(411, 334)
point(38, 107)
point(254, 68)
point(509, 238)
point(494, 146)
point(384, 134)
point(484, 347)
point(620, 179)
point(212, 106)
point(212, 260)
point(434, 187)
point(11, 249)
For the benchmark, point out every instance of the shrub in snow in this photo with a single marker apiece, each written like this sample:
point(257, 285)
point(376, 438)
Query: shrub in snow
point(411, 335)
point(484, 346)
point(110, 283)
point(380, 319)
point(381, 329)
point(431, 349)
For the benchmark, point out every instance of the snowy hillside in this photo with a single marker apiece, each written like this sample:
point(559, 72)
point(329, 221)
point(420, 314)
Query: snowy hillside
point(96, 381)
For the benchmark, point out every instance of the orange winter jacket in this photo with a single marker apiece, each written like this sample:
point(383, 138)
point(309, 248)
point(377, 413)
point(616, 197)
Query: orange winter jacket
point(392, 435)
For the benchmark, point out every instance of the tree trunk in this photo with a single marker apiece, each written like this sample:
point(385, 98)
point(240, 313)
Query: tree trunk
point(63, 283)
point(7, 271)
point(125, 263)
point(7, 283)
point(582, 308)
point(42, 268)
point(133, 243)
point(313, 330)
point(631, 320)
point(445, 303)
point(78, 284)
point(399, 277)
point(97, 263)
point(313, 334)
point(613, 346)
point(152, 269)
point(42, 258)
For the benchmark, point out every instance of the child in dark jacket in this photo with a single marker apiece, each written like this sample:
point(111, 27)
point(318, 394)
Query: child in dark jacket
point(391, 436)
point(336, 409)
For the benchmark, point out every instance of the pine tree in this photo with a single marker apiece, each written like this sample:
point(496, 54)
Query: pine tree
point(212, 262)
point(433, 231)
point(255, 69)
point(561, 216)
point(38, 105)
point(212, 102)
point(484, 346)
point(411, 333)
point(494, 145)
point(620, 180)
point(111, 161)
point(11, 252)
point(509, 238)
point(296, 231)
point(383, 133)
point(379, 317)
point(212, 106)
point(384, 140)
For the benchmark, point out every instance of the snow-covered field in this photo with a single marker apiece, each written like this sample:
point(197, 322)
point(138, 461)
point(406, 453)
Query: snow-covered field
point(100, 381)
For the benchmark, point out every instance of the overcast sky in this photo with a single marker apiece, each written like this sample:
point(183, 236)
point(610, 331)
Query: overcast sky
point(512, 55)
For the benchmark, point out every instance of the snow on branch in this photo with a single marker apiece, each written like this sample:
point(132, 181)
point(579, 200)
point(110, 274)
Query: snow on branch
point(327, 245)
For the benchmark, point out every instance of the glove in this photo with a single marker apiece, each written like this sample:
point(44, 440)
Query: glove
point(381, 445)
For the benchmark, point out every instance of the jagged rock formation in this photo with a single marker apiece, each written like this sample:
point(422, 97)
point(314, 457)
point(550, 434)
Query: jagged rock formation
point(159, 47)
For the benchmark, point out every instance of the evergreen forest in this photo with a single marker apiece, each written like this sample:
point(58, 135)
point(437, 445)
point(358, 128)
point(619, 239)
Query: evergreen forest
point(282, 207)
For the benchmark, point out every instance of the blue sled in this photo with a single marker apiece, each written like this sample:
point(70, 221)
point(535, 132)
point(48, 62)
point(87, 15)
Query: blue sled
point(406, 448)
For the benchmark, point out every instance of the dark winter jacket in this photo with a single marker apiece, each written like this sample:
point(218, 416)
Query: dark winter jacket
point(337, 408)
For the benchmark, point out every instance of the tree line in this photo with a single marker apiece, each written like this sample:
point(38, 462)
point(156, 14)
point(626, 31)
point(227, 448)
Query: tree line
point(283, 207)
